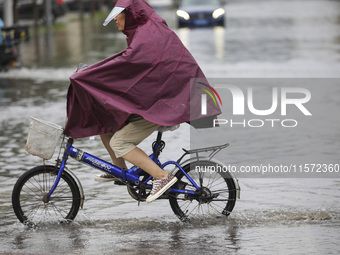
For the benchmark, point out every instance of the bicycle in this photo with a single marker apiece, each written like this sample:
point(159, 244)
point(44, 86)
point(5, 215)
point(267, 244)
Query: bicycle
point(53, 192)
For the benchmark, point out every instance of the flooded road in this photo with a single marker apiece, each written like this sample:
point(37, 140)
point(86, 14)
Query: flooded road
point(277, 39)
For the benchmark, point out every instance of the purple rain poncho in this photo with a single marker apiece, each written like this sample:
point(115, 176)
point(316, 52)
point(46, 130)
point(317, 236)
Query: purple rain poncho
point(150, 78)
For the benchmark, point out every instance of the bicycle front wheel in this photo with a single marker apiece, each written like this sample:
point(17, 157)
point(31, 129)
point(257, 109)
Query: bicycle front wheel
point(29, 196)
point(217, 195)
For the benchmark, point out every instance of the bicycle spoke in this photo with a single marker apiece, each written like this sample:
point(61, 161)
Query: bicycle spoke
point(221, 182)
point(29, 194)
point(193, 209)
point(31, 212)
point(61, 211)
point(210, 183)
point(36, 186)
point(217, 211)
point(188, 204)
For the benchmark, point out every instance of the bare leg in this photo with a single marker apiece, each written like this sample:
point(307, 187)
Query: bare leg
point(136, 157)
point(120, 162)
point(139, 158)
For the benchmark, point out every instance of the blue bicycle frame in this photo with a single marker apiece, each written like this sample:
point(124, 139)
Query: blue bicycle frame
point(130, 176)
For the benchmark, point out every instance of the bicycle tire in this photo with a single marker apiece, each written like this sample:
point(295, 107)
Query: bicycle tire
point(32, 187)
point(218, 198)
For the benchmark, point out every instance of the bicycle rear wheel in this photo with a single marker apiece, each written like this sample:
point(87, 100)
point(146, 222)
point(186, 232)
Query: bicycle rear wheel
point(30, 191)
point(217, 196)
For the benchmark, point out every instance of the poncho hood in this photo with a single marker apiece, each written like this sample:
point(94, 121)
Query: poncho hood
point(151, 78)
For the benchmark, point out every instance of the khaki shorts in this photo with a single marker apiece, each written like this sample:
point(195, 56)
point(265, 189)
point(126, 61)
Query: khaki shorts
point(127, 138)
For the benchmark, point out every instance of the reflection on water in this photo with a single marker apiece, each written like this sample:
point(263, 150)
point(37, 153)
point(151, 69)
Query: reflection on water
point(271, 38)
point(215, 47)
point(219, 42)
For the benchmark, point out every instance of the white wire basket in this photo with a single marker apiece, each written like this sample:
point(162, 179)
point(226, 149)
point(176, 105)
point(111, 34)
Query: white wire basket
point(43, 138)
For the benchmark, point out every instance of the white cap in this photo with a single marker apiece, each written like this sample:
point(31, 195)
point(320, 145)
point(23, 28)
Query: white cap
point(115, 11)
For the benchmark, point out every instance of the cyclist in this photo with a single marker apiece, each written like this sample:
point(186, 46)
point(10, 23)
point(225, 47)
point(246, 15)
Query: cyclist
point(126, 97)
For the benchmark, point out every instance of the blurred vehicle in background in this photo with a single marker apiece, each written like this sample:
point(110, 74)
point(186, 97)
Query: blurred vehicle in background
point(201, 13)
